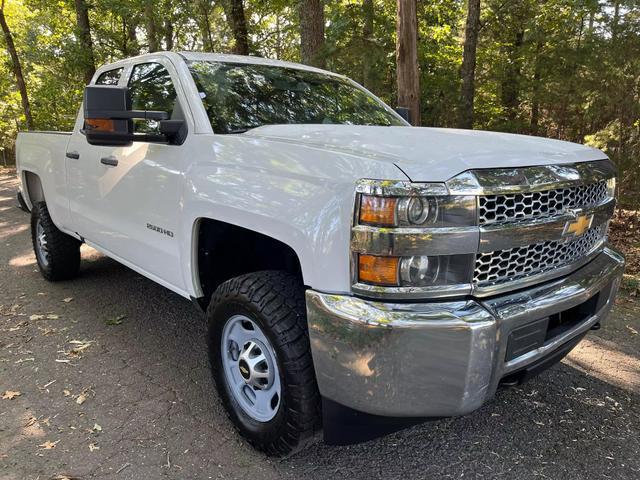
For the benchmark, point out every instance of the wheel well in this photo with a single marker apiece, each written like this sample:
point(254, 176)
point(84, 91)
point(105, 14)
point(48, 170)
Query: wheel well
point(33, 188)
point(226, 251)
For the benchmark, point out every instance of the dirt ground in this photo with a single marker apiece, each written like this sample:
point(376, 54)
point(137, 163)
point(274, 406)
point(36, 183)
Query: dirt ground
point(106, 377)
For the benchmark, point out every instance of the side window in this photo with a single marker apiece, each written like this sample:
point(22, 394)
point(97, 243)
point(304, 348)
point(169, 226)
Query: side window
point(110, 77)
point(151, 88)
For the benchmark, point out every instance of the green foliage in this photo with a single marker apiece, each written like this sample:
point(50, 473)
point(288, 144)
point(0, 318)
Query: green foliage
point(568, 69)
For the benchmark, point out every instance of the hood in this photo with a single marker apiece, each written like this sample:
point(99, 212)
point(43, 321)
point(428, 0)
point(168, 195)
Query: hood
point(432, 154)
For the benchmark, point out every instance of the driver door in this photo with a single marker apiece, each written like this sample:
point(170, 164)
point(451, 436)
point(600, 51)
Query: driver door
point(125, 200)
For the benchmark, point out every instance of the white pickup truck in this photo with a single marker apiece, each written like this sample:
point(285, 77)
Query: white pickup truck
point(358, 274)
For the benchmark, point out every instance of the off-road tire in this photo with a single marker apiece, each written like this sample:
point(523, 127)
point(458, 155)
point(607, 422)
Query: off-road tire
point(63, 250)
point(275, 301)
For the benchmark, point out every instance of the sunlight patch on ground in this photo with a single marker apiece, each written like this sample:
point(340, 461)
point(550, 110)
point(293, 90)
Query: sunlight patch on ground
point(25, 260)
point(601, 359)
point(89, 253)
point(10, 231)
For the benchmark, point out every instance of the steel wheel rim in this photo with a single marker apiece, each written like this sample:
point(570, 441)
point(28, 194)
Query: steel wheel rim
point(42, 247)
point(250, 368)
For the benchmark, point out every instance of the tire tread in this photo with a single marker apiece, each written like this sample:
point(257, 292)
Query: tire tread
point(64, 250)
point(279, 299)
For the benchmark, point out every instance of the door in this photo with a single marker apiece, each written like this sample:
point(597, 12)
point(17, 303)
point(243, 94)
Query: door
point(125, 200)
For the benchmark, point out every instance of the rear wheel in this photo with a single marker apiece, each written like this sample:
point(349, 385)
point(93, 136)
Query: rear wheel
point(57, 254)
point(261, 360)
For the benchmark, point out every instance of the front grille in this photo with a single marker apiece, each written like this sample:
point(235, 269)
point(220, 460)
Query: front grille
point(518, 262)
point(511, 207)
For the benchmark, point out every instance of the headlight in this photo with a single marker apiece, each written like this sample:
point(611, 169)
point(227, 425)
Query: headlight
point(411, 237)
point(420, 271)
point(416, 211)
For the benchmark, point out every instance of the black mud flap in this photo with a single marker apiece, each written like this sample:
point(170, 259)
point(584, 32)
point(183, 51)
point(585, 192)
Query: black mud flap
point(22, 205)
point(345, 426)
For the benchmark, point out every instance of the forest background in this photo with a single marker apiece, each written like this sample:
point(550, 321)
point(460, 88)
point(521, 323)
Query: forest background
point(567, 69)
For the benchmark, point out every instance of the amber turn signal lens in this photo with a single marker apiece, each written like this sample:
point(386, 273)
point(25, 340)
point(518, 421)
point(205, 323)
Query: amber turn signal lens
point(378, 210)
point(100, 124)
point(378, 270)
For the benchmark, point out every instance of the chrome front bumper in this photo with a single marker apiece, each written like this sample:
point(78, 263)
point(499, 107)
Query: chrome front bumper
point(446, 358)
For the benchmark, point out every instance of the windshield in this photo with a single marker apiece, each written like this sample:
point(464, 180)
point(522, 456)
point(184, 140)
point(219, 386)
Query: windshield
point(238, 97)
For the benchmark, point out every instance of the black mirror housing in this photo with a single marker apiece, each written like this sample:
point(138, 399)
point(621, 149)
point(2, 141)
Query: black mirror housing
point(174, 130)
point(404, 112)
point(105, 121)
point(108, 118)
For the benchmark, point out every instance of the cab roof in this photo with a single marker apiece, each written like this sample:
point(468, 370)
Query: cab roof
point(215, 57)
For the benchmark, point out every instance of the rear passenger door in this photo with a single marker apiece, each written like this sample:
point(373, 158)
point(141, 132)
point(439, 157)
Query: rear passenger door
point(130, 206)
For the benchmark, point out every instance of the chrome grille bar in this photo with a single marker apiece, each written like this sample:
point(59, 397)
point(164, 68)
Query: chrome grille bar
point(512, 207)
point(515, 263)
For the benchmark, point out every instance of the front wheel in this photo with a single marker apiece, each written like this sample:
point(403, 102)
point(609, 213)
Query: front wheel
point(261, 360)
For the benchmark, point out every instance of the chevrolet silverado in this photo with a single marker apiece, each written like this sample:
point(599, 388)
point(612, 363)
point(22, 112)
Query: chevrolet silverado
point(358, 274)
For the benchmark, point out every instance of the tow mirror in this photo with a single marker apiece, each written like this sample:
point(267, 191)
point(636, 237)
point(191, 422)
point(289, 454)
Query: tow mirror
point(404, 112)
point(108, 117)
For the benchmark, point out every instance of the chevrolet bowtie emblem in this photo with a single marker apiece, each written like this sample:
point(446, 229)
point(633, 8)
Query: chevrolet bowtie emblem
point(577, 227)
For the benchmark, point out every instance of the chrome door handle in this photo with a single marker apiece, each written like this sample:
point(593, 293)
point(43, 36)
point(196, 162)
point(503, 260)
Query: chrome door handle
point(111, 161)
point(73, 155)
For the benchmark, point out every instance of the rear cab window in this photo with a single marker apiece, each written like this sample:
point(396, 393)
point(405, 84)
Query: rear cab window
point(110, 77)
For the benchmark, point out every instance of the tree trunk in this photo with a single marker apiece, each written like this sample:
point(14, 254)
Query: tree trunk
point(131, 39)
point(152, 31)
point(368, 44)
point(168, 34)
point(510, 85)
point(468, 69)
point(535, 96)
point(615, 24)
point(167, 27)
point(17, 69)
point(311, 13)
point(84, 37)
point(407, 58)
point(238, 23)
point(204, 6)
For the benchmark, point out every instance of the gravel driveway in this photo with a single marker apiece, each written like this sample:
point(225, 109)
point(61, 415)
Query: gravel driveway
point(113, 382)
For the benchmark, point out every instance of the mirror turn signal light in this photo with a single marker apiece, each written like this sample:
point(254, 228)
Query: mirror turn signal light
point(380, 211)
point(100, 124)
point(378, 270)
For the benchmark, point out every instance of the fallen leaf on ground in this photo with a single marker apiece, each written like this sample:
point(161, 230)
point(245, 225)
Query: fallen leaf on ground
point(97, 428)
point(32, 421)
point(53, 317)
point(81, 346)
point(36, 317)
point(66, 392)
point(48, 445)
point(22, 360)
point(10, 395)
point(81, 399)
point(116, 320)
point(67, 300)
point(632, 330)
point(93, 447)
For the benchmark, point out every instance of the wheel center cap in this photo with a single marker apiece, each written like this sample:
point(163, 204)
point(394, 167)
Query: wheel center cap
point(244, 369)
